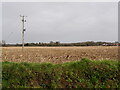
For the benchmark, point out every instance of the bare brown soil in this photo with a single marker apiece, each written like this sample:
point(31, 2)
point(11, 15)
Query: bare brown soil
point(58, 54)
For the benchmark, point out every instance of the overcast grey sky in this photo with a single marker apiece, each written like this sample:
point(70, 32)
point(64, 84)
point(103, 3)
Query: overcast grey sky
point(61, 21)
point(0, 21)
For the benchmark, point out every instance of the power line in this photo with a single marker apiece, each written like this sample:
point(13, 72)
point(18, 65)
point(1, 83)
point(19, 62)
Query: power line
point(9, 36)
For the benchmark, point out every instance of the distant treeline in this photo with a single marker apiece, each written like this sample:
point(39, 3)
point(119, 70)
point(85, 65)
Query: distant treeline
point(51, 43)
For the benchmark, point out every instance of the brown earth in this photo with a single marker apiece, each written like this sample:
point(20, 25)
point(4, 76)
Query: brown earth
point(58, 54)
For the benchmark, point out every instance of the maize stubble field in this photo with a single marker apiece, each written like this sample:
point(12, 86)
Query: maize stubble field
point(58, 54)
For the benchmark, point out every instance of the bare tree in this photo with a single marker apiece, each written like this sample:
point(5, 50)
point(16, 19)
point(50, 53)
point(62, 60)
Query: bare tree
point(3, 42)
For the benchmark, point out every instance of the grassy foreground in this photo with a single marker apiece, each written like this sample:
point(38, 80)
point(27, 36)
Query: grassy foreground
point(80, 74)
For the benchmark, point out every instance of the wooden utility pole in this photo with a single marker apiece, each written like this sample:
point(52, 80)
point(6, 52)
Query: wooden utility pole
point(23, 30)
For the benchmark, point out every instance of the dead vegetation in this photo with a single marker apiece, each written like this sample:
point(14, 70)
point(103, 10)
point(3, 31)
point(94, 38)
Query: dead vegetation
point(58, 54)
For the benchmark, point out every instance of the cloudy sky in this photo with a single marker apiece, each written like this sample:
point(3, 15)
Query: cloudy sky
point(60, 21)
point(0, 21)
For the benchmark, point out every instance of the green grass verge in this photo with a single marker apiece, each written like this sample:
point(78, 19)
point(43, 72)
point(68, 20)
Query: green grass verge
point(80, 74)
